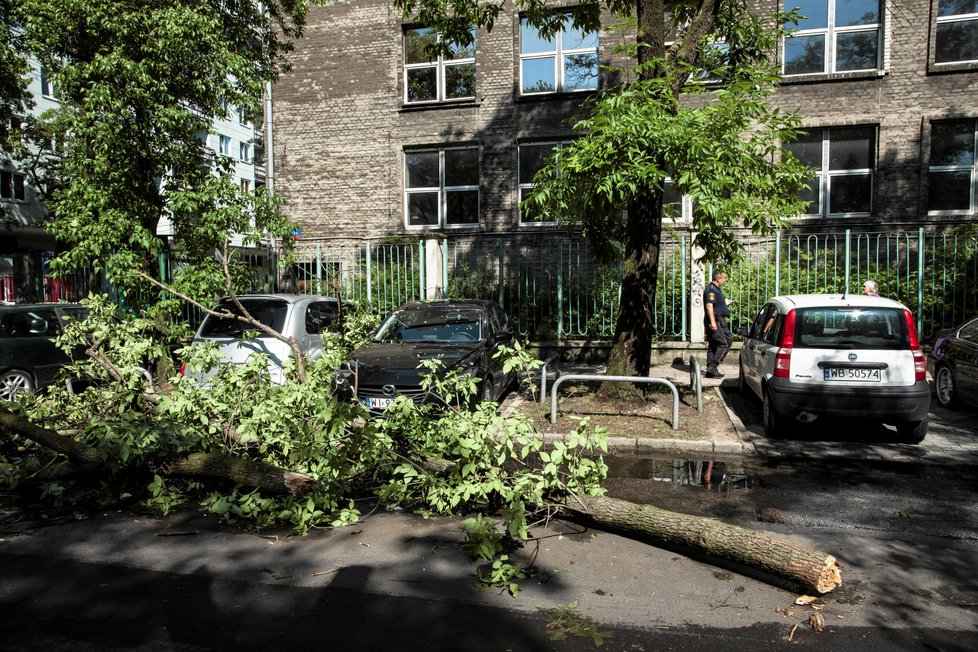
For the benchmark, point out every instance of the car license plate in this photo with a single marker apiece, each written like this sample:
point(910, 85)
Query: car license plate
point(377, 403)
point(847, 373)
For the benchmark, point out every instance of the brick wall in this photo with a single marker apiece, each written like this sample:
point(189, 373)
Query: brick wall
point(340, 126)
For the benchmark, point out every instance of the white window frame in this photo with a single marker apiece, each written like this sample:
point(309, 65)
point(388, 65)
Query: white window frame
point(242, 116)
point(527, 186)
point(830, 33)
point(48, 88)
point(972, 169)
point(947, 20)
point(223, 145)
point(246, 186)
point(13, 186)
point(824, 175)
point(244, 152)
point(440, 63)
point(442, 191)
point(558, 54)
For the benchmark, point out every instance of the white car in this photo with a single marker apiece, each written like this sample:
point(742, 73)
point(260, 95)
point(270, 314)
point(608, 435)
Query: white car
point(304, 317)
point(814, 355)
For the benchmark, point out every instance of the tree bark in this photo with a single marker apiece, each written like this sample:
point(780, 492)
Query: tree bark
point(241, 471)
point(811, 569)
point(216, 465)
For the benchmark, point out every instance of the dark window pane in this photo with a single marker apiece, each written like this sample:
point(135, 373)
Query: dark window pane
point(422, 84)
point(415, 43)
point(810, 194)
point(531, 41)
point(580, 71)
point(856, 51)
point(851, 148)
point(856, 12)
point(422, 209)
point(532, 158)
point(808, 148)
point(949, 191)
point(463, 207)
point(956, 7)
point(422, 169)
point(269, 313)
point(462, 167)
point(850, 194)
point(538, 76)
point(530, 212)
point(672, 203)
point(460, 81)
point(952, 143)
point(815, 13)
point(804, 55)
point(957, 41)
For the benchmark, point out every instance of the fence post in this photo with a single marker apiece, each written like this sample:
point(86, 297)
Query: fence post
point(685, 306)
point(777, 263)
point(697, 313)
point(560, 288)
point(369, 277)
point(920, 283)
point(499, 264)
point(433, 266)
point(319, 268)
point(845, 290)
point(444, 266)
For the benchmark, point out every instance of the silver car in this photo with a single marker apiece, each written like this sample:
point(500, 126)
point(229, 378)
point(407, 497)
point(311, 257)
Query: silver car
point(303, 317)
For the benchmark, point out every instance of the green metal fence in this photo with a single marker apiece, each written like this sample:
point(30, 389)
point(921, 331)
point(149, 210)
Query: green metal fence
point(553, 289)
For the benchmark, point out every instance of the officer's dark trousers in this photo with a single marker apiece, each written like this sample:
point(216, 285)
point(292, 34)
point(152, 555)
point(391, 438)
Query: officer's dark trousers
point(718, 342)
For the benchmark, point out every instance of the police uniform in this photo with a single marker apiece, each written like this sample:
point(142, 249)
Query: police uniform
point(718, 340)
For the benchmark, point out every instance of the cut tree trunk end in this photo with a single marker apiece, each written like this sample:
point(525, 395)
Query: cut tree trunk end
point(810, 568)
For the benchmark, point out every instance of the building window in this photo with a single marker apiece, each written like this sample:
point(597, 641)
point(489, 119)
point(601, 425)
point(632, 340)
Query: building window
point(242, 116)
point(564, 63)
point(532, 157)
point(12, 186)
point(952, 167)
point(436, 78)
point(833, 36)
point(441, 187)
point(246, 186)
point(844, 159)
point(47, 84)
point(244, 152)
point(957, 31)
point(223, 145)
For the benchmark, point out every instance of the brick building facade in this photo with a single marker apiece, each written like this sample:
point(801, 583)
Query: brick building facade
point(370, 140)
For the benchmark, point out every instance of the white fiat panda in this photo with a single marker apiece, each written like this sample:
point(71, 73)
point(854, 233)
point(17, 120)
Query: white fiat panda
point(812, 355)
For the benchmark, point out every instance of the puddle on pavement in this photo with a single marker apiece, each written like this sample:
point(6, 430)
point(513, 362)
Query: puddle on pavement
point(719, 475)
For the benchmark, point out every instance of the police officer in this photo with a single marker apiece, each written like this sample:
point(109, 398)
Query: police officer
point(718, 335)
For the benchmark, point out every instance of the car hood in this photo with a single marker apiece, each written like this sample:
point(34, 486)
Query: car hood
point(398, 363)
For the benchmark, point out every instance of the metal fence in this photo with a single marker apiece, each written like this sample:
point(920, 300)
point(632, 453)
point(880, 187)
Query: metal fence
point(553, 289)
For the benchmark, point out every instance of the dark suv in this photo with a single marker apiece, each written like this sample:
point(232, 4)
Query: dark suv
point(29, 358)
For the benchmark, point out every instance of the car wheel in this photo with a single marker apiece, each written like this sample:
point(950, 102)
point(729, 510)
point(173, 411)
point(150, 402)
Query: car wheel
point(912, 432)
point(945, 388)
point(13, 383)
point(773, 421)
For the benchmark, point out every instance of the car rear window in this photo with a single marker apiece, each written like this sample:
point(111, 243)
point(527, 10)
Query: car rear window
point(427, 325)
point(851, 328)
point(269, 312)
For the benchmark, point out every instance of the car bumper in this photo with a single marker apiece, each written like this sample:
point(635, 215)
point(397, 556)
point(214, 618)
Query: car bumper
point(910, 403)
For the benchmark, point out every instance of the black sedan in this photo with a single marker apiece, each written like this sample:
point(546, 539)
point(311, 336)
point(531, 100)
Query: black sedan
point(462, 334)
point(954, 365)
point(29, 358)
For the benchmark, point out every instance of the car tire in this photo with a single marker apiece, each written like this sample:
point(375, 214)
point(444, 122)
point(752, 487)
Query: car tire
point(944, 387)
point(13, 383)
point(773, 420)
point(912, 432)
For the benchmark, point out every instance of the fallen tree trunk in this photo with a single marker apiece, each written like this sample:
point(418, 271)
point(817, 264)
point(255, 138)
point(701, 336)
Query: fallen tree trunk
point(805, 566)
point(241, 471)
point(216, 465)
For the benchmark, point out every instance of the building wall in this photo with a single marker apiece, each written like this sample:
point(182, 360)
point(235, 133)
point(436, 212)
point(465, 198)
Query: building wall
point(341, 126)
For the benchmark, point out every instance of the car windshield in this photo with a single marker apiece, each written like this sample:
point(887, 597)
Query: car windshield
point(269, 312)
point(851, 328)
point(428, 325)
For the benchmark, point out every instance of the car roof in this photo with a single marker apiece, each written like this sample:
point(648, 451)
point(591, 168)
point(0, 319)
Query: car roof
point(288, 298)
point(447, 304)
point(789, 301)
point(18, 307)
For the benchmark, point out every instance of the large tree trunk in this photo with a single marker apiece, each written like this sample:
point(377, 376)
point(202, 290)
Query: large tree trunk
point(809, 568)
point(239, 470)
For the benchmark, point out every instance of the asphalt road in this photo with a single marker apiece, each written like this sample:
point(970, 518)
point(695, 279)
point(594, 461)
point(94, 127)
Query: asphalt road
point(904, 528)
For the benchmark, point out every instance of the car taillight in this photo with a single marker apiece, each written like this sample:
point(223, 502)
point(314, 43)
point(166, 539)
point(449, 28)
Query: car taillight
point(919, 361)
point(782, 360)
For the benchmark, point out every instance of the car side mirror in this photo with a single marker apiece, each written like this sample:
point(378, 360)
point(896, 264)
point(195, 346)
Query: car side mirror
point(504, 336)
